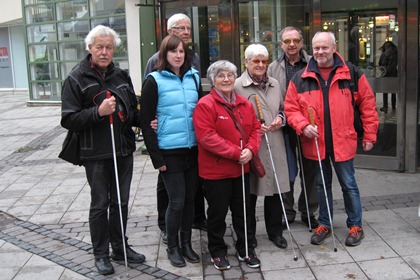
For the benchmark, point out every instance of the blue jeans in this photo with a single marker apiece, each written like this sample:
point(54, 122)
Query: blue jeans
point(345, 174)
point(104, 216)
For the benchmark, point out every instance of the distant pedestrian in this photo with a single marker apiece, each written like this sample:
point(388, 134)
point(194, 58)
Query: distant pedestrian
point(85, 109)
point(323, 88)
point(389, 60)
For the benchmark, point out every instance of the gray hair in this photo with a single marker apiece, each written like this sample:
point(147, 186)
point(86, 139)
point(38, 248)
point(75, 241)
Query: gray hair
point(173, 20)
point(220, 65)
point(332, 36)
point(101, 30)
point(290, 28)
point(255, 49)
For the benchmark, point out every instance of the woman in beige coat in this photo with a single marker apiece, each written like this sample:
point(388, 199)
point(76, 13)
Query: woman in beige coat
point(255, 82)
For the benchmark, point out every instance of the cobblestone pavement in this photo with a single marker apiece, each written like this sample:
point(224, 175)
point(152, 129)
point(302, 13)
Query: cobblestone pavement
point(44, 233)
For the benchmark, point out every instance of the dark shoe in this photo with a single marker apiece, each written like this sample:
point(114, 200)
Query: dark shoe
point(221, 263)
point(175, 257)
point(279, 241)
point(164, 237)
point(314, 222)
point(186, 248)
point(355, 237)
point(104, 266)
point(384, 109)
point(251, 261)
point(321, 232)
point(201, 225)
point(132, 256)
point(283, 223)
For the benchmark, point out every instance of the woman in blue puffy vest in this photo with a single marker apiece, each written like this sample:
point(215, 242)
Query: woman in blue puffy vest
point(170, 94)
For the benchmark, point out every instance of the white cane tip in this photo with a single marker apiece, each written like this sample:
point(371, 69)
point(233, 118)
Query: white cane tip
point(295, 258)
point(335, 249)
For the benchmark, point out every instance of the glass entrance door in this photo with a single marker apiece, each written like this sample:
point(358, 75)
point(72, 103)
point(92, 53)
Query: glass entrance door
point(369, 39)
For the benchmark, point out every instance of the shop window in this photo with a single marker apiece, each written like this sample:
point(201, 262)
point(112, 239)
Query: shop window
point(116, 23)
point(102, 8)
point(73, 30)
point(41, 33)
point(72, 10)
point(39, 13)
point(261, 22)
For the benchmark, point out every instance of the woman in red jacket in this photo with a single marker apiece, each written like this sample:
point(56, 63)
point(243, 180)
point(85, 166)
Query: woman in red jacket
point(220, 156)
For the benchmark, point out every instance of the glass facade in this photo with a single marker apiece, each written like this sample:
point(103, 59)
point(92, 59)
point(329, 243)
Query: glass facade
point(55, 33)
point(222, 29)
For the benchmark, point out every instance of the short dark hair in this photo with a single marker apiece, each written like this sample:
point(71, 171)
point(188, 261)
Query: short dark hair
point(170, 43)
point(290, 28)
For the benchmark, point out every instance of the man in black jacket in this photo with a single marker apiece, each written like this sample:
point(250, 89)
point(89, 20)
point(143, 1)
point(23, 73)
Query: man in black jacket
point(86, 107)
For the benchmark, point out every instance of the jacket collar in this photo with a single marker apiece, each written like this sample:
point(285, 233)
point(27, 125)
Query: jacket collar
point(223, 102)
point(246, 80)
point(339, 66)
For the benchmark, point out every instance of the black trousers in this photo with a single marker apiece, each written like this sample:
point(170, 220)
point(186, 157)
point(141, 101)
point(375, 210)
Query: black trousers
point(222, 195)
point(181, 187)
point(104, 202)
point(393, 100)
point(163, 200)
point(273, 213)
point(309, 174)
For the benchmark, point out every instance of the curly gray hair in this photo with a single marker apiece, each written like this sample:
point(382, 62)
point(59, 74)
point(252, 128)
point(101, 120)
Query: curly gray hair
point(101, 30)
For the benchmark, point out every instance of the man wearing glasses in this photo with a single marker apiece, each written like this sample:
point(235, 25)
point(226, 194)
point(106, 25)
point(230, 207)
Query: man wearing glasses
point(180, 25)
point(292, 59)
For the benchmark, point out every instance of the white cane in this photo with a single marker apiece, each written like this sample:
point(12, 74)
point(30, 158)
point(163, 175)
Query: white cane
point(117, 183)
point(311, 117)
point(244, 203)
point(257, 101)
point(304, 183)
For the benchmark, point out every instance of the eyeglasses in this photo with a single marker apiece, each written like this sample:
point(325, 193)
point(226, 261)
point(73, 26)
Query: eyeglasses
point(182, 28)
point(258, 61)
point(229, 76)
point(295, 41)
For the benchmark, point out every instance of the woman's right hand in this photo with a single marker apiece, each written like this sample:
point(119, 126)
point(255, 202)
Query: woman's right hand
point(246, 156)
point(264, 128)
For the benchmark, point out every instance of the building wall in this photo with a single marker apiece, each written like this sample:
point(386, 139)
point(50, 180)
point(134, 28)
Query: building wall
point(20, 71)
point(6, 77)
point(133, 43)
point(10, 10)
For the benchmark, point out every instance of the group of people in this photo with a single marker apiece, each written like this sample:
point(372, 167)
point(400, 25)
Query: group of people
point(202, 144)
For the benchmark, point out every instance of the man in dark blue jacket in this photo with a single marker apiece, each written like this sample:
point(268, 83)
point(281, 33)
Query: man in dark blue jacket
point(86, 108)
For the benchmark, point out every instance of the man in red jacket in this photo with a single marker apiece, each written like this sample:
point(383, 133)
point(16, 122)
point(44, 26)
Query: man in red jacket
point(323, 88)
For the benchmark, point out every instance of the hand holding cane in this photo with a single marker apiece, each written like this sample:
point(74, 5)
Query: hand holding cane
point(312, 120)
point(257, 102)
point(117, 183)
